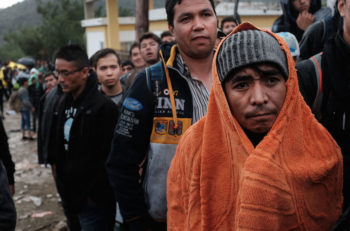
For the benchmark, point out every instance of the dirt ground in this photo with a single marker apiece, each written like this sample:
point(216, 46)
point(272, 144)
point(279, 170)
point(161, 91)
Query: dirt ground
point(36, 199)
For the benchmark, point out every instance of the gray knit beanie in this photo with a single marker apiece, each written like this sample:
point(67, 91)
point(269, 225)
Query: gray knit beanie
point(249, 47)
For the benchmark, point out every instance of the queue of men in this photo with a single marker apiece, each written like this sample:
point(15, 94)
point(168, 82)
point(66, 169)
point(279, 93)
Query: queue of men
point(190, 136)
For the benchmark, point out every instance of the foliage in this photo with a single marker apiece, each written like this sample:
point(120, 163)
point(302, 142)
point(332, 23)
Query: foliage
point(60, 25)
point(125, 12)
point(10, 52)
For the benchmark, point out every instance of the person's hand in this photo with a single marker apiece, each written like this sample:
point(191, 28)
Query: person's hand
point(304, 20)
point(12, 189)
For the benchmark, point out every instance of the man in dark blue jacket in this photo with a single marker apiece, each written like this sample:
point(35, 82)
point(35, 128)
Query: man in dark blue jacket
point(162, 103)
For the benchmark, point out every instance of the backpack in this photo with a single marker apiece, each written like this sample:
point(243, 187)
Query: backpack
point(15, 101)
point(317, 104)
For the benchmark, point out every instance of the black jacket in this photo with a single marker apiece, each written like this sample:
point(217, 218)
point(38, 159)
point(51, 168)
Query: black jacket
point(335, 109)
point(46, 108)
point(316, 36)
point(5, 155)
point(287, 21)
point(7, 207)
point(81, 171)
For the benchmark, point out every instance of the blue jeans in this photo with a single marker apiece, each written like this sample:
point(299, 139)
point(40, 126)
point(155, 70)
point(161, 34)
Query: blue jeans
point(25, 125)
point(93, 218)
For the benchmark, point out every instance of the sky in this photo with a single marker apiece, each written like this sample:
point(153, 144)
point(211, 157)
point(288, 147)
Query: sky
point(7, 3)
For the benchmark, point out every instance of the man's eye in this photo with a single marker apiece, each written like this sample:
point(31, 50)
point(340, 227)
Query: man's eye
point(103, 68)
point(207, 14)
point(185, 19)
point(241, 85)
point(272, 80)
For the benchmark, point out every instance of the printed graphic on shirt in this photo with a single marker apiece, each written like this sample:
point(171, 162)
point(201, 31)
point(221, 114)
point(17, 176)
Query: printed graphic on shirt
point(127, 121)
point(70, 114)
point(164, 131)
point(163, 106)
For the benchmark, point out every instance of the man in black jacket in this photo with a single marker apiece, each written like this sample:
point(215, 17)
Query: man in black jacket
point(84, 120)
point(334, 89)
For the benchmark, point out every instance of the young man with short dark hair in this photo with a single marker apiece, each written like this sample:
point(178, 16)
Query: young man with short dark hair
point(149, 46)
point(228, 24)
point(166, 36)
point(50, 81)
point(127, 66)
point(84, 121)
point(107, 65)
point(135, 56)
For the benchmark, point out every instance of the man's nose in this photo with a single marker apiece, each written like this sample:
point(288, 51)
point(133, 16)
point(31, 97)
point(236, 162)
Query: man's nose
point(258, 94)
point(198, 23)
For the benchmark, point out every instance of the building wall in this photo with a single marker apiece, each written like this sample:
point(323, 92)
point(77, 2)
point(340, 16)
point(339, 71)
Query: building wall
point(97, 36)
point(96, 39)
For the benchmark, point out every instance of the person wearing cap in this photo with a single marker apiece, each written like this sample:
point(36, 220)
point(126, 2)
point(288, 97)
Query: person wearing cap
point(292, 43)
point(258, 160)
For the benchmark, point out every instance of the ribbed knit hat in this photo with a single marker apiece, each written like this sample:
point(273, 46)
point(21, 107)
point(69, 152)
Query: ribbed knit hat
point(249, 47)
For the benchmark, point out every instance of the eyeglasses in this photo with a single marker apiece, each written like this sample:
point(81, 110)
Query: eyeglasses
point(66, 73)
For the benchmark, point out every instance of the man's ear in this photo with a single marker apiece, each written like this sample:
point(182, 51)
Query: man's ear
point(85, 72)
point(341, 7)
point(171, 29)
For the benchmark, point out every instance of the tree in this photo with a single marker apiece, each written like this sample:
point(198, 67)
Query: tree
point(60, 25)
point(141, 24)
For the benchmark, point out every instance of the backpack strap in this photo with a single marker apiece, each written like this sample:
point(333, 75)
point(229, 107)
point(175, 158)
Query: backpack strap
point(154, 76)
point(316, 106)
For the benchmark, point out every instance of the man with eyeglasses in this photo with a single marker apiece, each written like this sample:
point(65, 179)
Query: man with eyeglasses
point(84, 121)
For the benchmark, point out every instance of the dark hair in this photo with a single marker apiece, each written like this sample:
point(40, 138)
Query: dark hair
point(49, 73)
point(228, 19)
point(135, 44)
point(165, 34)
point(73, 53)
point(22, 80)
point(150, 35)
point(127, 62)
point(103, 53)
point(169, 7)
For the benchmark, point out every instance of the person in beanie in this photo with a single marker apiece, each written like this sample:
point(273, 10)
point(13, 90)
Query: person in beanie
point(258, 160)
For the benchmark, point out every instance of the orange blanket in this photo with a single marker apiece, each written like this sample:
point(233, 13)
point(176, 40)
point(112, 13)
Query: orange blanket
point(291, 181)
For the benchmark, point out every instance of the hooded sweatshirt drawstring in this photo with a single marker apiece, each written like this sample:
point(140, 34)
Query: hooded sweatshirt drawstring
point(171, 92)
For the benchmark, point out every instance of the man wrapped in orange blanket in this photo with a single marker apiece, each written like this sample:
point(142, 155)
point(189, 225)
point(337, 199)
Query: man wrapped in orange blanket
point(258, 160)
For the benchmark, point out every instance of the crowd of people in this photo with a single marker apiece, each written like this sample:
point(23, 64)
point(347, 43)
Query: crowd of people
point(204, 128)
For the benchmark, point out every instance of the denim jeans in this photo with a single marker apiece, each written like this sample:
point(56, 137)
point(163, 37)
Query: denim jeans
point(93, 218)
point(25, 125)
